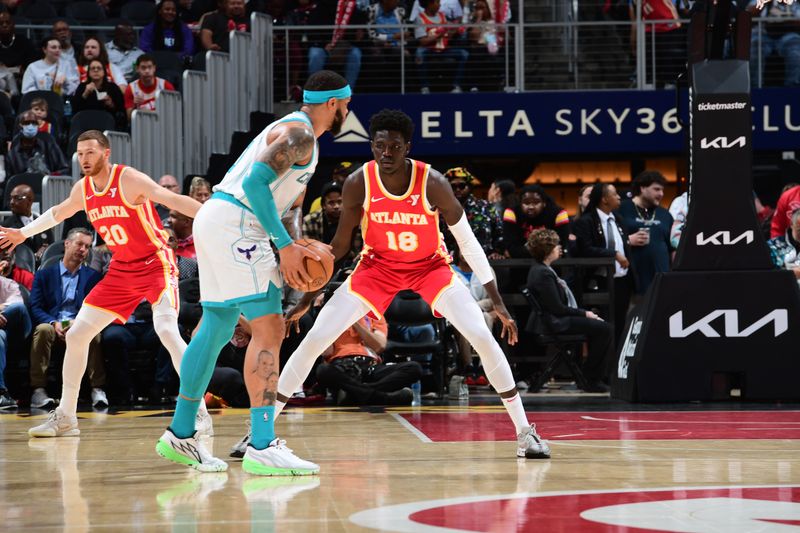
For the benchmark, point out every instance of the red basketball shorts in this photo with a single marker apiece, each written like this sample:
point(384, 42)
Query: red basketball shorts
point(376, 282)
point(125, 284)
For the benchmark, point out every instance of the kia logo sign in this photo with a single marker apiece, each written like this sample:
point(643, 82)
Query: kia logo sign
point(778, 317)
point(723, 238)
point(722, 143)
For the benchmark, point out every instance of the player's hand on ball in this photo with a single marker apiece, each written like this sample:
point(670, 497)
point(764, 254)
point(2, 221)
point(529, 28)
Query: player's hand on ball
point(292, 267)
point(10, 238)
point(510, 330)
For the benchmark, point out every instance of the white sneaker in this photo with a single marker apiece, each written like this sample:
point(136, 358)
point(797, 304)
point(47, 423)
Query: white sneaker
point(189, 451)
point(58, 425)
point(531, 445)
point(202, 422)
point(240, 448)
point(99, 399)
point(276, 460)
point(40, 399)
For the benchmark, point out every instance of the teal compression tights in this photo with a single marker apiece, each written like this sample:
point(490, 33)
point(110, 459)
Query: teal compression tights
point(198, 364)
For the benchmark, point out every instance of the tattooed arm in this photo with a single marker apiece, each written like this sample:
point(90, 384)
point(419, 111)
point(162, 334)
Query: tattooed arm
point(290, 143)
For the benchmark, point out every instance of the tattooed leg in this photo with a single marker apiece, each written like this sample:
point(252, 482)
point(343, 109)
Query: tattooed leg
point(261, 367)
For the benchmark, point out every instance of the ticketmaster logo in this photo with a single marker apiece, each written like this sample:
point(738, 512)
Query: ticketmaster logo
point(721, 107)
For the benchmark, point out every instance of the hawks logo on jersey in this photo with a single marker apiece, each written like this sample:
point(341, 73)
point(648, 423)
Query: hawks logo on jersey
point(400, 228)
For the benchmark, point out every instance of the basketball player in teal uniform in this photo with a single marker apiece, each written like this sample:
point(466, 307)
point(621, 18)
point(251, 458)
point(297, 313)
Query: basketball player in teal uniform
point(239, 274)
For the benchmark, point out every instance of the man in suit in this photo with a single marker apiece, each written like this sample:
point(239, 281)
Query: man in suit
point(57, 295)
point(20, 202)
point(599, 233)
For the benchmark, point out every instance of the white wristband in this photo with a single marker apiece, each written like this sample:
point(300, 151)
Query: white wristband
point(471, 250)
point(40, 225)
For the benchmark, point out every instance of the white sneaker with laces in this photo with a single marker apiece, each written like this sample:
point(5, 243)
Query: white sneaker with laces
point(276, 460)
point(202, 422)
point(240, 448)
point(99, 399)
point(40, 399)
point(531, 445)
point(189, 451)
point(57, 425)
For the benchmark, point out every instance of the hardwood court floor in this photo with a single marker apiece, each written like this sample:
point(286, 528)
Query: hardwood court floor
point(434, 468)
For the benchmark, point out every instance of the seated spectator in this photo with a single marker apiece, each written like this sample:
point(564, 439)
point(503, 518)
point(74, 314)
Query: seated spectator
point(170, 182)
point(536, 210)
point(122, 50)
point(187, 266)
point(15, 326)
point(94, 48)
point(354, 368)
point(321, 225)
point(40, 109)
point(167, 32)
point(560, 311)
point(100, 94)
point(63, 33)
point(50, 73)
point(118, 341)
point(781, 38)
point(648, 226)
point(503, 195)
point(386, 46)
point(433, 37)
point(340, 46)
point(200, 189)
point(16, 51)
point(141, 93)
point(8, 269)
point(484, 221)
point(485, 42)
point(216, 26)
point(452, 9)
point(34, 152)
point(21, 202)
point(788, 203)
point(57, 295)
point(181, 225)
point(598, 233)
point(338, 175)
point(785, 250)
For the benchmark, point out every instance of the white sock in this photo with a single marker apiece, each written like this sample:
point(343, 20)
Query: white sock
point(517, 412)
point(279, 405)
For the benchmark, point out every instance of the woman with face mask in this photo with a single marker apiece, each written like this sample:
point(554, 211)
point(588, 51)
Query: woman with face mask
point(34, 152)
point(51, 73)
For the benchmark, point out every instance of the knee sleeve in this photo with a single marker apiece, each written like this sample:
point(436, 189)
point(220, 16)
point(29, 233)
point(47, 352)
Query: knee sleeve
point(166, 326)
point(341, 312)
point(458, 306)
point(201, 355)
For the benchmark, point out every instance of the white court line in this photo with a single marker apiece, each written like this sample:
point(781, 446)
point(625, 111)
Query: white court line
point(635, 421)
point(409, 426)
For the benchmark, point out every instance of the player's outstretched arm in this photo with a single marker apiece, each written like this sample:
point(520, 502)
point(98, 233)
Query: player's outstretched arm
point(138, 187)
point(293, 144)
point(11, 237)
point(440, 194)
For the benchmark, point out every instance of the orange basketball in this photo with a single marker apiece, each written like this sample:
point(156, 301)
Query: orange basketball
point(320, 271)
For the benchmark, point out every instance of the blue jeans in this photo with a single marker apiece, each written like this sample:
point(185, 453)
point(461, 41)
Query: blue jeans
point(459, 55)
point(17, 328)
point(787, 46)
point(317, 57)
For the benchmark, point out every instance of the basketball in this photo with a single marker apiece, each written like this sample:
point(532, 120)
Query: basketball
point(320, 271)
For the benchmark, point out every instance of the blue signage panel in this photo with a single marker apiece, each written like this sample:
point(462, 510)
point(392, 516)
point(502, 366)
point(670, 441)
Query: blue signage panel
point(556, 123)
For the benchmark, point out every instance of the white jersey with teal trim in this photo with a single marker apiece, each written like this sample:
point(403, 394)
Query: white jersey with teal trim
point(287, 187)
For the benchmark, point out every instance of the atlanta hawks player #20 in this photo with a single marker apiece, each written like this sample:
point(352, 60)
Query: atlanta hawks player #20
point(402, 200)
point(117, 201)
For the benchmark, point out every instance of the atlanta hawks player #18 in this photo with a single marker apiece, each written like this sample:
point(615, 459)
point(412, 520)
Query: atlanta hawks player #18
point(117, 201)
point(402, 200)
